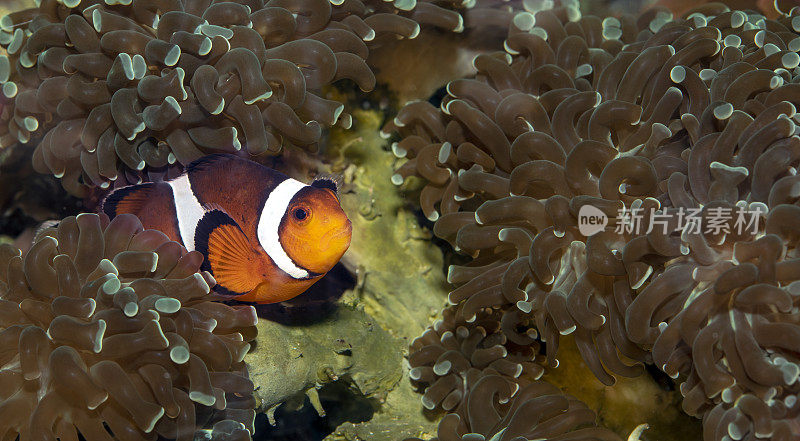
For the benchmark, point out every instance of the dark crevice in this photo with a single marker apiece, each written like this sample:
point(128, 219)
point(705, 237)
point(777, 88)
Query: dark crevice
point(438, 96)
point(26, 197)
point(341, 402)
point(314, 305)
point(664, 381)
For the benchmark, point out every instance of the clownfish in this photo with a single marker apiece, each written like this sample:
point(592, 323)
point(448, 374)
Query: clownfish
point(265, 237)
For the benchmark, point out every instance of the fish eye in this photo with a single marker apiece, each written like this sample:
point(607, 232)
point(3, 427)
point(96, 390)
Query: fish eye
point(301, 214)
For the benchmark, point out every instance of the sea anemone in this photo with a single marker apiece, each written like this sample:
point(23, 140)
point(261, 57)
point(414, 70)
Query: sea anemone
point(498, 410)
point(735, 340)
point(680, 134)
point(498, 169)
point(452, 355)
point(128, 89)
point(108, 332)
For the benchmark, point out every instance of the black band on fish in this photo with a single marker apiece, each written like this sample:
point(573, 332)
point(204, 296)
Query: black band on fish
point(127, 199)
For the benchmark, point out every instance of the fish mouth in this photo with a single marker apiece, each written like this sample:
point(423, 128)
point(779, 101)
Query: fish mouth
point(339, 234)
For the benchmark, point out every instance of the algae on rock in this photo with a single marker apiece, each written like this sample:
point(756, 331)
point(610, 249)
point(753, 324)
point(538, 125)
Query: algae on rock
point(400, 272)
point(401, 281)
point(290, 360)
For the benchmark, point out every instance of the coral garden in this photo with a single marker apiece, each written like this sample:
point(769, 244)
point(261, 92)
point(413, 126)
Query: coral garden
point(472, 284)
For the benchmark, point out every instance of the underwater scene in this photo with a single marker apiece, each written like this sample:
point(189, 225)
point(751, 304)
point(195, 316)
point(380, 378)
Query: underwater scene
point(399, 220)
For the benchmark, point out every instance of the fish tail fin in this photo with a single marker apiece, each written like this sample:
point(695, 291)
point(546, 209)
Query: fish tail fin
point(229, 257)
point(128, 199)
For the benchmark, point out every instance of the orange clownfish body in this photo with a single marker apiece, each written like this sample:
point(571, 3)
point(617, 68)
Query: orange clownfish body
point(266, 237)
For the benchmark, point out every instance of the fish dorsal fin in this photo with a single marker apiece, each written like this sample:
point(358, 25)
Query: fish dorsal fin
point(209, 161)
point(212, 206)
point(330, 182)
point(128, 199)
point(229, 256)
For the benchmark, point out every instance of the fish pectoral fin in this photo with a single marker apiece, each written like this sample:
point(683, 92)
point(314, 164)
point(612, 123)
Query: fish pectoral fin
point(228, 254)
point(128, 199)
